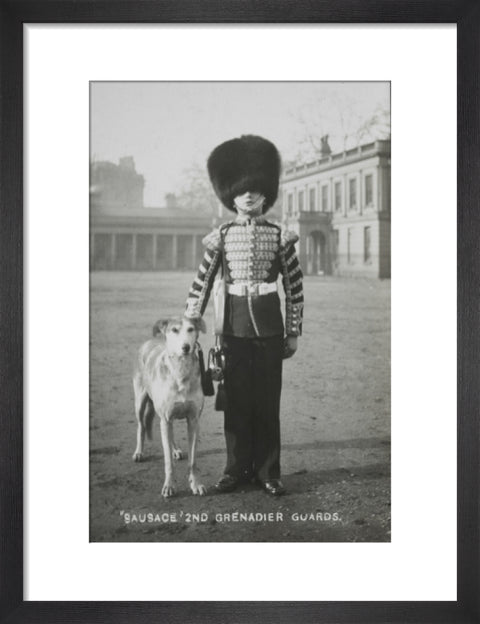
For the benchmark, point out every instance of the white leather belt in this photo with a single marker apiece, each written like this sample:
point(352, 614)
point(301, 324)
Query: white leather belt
point(242, 290)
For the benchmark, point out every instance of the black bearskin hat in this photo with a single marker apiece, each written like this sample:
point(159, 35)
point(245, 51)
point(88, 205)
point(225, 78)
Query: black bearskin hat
point(249, 163)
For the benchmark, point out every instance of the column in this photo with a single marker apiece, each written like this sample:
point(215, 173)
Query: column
point(133, 263)
point(329, 250)
point(113, 250)
point(154, 251)
point(174, 251)
point(303, 250)
point(194, 251)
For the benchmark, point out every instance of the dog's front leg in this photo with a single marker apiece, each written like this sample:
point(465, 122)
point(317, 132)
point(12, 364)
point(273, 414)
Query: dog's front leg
point(166, 428)
point(141, 405)
point(138, 454)
point(195, 485)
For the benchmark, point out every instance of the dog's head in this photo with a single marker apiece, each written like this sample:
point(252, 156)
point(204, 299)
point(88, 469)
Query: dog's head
point(180, 333)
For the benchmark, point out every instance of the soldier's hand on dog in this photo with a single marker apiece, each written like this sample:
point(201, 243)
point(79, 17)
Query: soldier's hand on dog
point(289, 346)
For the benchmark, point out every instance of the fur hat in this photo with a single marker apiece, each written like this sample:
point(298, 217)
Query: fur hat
point(249, 163)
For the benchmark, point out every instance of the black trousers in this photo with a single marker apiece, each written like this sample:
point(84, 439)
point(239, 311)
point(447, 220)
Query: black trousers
point(253, 383)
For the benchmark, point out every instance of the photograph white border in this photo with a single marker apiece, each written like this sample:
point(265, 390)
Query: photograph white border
point(420, 562)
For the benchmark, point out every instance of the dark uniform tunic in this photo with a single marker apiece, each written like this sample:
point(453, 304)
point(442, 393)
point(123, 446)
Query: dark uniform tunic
point(253, 253)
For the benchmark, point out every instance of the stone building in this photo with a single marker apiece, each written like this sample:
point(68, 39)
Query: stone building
point(147, 239)
point(126, 236)
point(116, 186)
point(339, 205)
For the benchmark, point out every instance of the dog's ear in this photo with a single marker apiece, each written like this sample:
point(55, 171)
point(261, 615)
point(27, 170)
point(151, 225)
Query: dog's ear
point(200, 325)
point(159, 327)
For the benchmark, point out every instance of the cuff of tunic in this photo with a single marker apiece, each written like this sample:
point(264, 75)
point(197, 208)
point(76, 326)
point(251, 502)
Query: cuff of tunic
point(192, 309)
point(294, 319)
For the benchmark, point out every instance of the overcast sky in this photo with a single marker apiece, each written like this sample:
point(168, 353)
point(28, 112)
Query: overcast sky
point(168, 126)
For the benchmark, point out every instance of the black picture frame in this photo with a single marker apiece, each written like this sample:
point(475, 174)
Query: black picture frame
point(13, 14)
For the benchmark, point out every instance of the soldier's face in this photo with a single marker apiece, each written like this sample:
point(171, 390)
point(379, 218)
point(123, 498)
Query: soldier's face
point(250, 203)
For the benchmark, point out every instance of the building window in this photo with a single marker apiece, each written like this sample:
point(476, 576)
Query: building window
point(325, 198)
point(312, 200)
point(290, 204)
point(369, 190)
point(367, 255)
point(336, 243)
point(352, 193)
point(300, 201)
point(338, 196)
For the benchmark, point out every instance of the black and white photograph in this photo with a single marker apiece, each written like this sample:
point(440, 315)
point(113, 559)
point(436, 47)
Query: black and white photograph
point(240, 312)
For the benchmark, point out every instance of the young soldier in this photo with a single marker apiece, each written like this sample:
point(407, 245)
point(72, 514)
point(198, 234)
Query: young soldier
point(252, 253)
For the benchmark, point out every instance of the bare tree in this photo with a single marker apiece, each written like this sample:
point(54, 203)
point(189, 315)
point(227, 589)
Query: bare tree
point(377, 126)
point(337, 115)
point(196, 192)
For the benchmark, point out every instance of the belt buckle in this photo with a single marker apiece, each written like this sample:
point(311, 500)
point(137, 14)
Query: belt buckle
point(251, 289)
point(263, 289)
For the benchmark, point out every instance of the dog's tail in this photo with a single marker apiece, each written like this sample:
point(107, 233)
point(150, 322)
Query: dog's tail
point(147, 413)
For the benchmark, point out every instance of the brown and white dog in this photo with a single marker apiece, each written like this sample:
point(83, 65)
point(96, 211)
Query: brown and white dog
point(167, 382)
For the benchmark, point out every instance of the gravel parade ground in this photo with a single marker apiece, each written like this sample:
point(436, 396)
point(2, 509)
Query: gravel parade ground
point(335, 420)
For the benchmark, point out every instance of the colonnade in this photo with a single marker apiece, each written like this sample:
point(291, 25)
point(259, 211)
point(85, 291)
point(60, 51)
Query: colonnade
point(144, 251)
